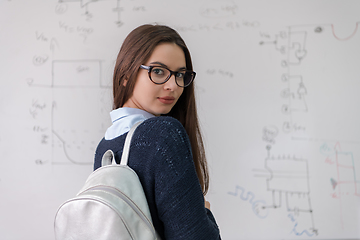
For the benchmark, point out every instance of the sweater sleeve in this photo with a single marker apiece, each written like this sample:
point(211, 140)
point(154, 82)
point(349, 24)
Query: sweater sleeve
point(178, 194)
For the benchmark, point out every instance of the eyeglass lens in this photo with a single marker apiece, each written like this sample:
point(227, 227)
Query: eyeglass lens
point(160, 75)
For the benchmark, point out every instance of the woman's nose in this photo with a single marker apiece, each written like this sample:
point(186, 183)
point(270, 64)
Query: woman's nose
point(171, 83)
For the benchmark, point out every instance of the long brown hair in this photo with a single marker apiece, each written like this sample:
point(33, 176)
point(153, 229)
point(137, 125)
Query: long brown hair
point(136, 50)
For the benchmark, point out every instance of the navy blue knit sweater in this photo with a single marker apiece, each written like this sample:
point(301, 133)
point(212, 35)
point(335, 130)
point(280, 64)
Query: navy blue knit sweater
point(160, 154)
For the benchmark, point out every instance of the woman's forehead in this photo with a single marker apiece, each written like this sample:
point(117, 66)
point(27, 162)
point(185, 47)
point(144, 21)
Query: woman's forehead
point(168, 54)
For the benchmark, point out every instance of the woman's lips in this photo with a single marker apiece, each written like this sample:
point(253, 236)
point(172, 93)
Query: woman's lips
point(166, 100)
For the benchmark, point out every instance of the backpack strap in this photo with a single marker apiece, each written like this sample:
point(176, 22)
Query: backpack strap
point(109, 157)
point(126, 149)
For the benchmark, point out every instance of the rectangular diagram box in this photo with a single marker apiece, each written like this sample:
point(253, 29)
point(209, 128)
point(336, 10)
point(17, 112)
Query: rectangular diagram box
point(80, 73)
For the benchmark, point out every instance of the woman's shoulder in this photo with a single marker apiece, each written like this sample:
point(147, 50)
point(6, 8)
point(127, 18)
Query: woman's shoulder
point(165, 131)
point(163, 125)
point(167, 141)
point(164, 121)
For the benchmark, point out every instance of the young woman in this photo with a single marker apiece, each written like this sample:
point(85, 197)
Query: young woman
point(153, 83)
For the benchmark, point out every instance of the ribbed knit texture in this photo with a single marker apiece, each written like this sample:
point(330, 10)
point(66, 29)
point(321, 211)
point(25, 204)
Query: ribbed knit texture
point(160, 153)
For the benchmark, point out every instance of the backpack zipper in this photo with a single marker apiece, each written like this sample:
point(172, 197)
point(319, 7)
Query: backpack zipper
point(123, 196)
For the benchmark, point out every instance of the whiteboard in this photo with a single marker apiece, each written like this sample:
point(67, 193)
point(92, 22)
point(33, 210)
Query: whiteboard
point(278, 97)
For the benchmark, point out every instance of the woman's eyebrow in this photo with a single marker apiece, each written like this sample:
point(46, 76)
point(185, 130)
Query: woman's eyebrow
point(164, 65)
point(159, 63)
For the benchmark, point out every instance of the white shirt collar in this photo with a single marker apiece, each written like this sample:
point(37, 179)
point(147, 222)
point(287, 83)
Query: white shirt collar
point(123, 119)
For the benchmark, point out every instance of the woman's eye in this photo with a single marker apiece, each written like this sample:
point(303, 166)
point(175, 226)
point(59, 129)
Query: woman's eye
point(158, 71)
point(180, 75)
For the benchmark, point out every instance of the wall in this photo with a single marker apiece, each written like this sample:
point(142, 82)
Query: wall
point(278, 96)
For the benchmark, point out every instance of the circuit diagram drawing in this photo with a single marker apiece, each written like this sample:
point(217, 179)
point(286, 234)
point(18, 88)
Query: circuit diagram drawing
point(292, 44)
point(75, 129)
point(84, 4)
point(295, 93)
point(81, 79)
point(288, 177)
point(304, 65)
point(344, 180)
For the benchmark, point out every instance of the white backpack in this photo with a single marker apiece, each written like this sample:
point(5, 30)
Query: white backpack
point(111, 205)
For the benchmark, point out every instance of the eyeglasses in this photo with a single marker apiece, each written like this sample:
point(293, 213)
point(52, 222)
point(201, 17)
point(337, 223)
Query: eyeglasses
point(160, 75)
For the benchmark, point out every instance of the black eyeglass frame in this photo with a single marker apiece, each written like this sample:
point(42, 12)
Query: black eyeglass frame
point(149, 68)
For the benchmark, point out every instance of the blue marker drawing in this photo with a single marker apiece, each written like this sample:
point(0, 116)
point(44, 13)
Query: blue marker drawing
point(249, 194)
point(257, 206)
point(293, 219)
point(259, 209)
point(301, 233)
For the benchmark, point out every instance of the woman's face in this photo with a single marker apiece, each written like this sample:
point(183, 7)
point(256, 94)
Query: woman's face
point(154, 98)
